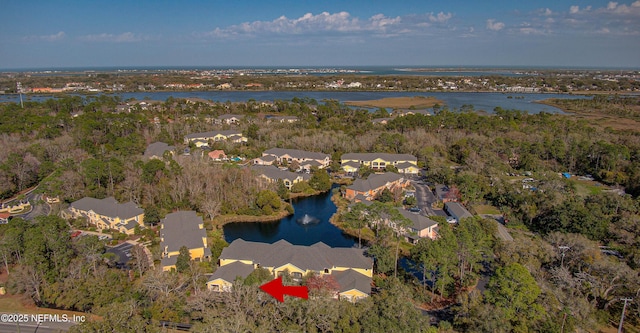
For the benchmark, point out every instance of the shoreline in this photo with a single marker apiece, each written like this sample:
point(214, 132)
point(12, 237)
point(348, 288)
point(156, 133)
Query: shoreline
point(220, 220)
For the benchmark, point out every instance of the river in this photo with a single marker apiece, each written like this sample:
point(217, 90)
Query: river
point(453, 100)
point(296, 229)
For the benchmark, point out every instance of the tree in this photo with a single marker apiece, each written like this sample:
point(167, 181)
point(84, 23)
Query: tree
point(356, 218)
point(322, 285)
point(364, 171)
point(151, 215)
point(385, 196)
point(320, 180)
point(515, 291)
point(182, 262)
point(258, 277)
point(268, 201)
point(283, 191)
point(252, 132)
point(152, 171)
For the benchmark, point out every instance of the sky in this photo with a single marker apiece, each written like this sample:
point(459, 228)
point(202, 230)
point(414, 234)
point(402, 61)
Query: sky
point(334, 33)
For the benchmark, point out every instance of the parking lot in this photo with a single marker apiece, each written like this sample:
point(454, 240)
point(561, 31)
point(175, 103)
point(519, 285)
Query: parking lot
point(122, 252)
point(425, 198)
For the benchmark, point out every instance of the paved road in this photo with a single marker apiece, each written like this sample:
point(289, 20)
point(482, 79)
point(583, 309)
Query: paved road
point(39, 207)
point(424, 197)
point(503, 233)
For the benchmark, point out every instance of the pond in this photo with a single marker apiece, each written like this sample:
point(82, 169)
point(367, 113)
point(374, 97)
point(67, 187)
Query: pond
point(308, 225)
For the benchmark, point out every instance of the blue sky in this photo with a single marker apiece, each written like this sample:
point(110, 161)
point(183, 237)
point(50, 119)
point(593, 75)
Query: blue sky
point(572, 33)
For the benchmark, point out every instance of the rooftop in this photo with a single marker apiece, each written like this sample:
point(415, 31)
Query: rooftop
point(374, 181)
point(182, 229)
point(108, 207)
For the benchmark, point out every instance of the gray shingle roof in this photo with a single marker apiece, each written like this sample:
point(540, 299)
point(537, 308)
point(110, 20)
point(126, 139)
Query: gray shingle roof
point(405, 165)
point(108, 207)
point(457, 210)
point(157, 149)
point(350, 279)
point(316, 257)
point(274, 173)
point(374, 181)
point(181, 229)
point(419, 222)
point(231, 271)
point(295, 153)
point(373, 156)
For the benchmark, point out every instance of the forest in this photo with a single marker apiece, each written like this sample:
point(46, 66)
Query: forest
point(531, 284)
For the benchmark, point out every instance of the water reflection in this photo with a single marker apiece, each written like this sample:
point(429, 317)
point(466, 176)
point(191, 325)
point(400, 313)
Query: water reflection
point(310, 224)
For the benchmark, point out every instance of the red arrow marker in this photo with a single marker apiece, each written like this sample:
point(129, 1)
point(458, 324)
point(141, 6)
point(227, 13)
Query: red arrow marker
point(277, 290)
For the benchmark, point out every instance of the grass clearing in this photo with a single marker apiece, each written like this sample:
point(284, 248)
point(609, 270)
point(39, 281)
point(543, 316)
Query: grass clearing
point(418, 102)
point(486, 209)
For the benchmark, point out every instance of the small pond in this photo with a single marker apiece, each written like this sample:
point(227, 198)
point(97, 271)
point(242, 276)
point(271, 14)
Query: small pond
point(310, 224)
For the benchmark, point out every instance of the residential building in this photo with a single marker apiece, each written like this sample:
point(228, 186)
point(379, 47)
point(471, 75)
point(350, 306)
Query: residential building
point(157, 150)
point(264, 160)
point(442, 193)
point(183, 228)
point(348, 266)
point(368, 189)
point(203, 138)
point(217, 155)
point(406, 112)
point(456, 210)
point(405, 163)
point(4, 217)
point(421, 227)
point(381, 121)
point(108, 214)
point(272, 174)
point(282, 119)
point(229, 119)
point(301, 157)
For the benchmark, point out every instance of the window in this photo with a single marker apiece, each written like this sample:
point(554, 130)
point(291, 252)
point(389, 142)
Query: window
point(296, 275)
point(326, 271)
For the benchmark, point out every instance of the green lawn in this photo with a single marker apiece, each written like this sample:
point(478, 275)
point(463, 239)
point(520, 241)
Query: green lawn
point(486, 209)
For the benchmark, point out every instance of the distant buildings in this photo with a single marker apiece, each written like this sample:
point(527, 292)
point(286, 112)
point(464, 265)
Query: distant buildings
point(183, 228)
point(272, 174)
point(305, 159)
point(108, 214)
point(348, 266)
point(229, 119)
point(405, 163)
point(282, 119)
point(203, 138)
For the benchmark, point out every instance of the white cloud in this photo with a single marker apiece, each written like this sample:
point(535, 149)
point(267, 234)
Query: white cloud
point(548, 11)
point(341, 24)
point(494, 25)
point(574, 9)
point(612, 5)
point(636, 4)
point(126, 37)
point(440, 17)
point(47, 38)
